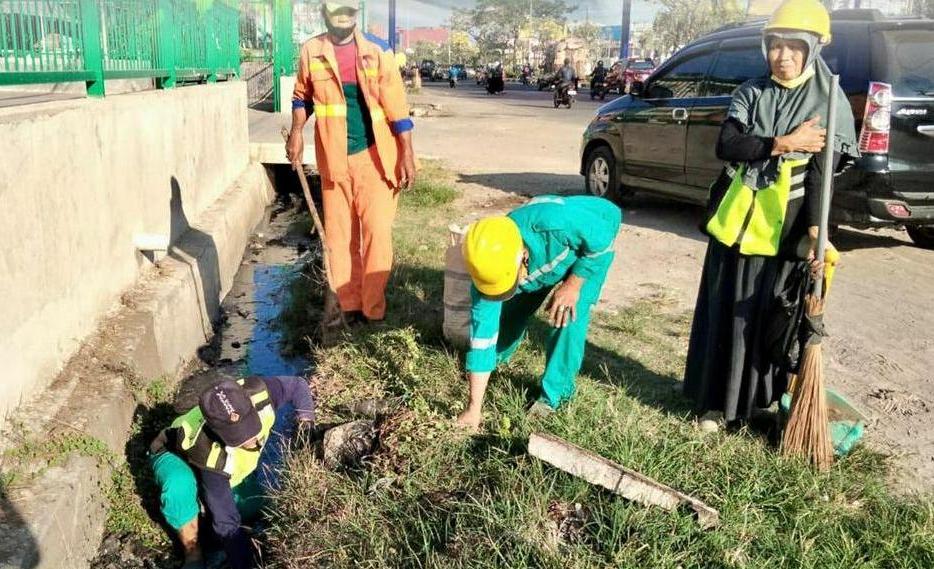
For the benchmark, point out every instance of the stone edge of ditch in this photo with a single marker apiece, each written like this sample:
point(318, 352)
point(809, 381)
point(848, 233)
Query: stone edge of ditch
point(153, 335)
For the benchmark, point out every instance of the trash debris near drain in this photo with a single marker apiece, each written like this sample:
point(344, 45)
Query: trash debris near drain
point(372, 408)
point(616, 478)
point(349, 444)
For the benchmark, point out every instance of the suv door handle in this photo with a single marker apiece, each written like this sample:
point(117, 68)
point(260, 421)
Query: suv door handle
point(927, 130)
point(679, 114)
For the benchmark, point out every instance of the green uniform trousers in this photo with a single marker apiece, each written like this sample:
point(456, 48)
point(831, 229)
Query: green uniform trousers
point(564, 350)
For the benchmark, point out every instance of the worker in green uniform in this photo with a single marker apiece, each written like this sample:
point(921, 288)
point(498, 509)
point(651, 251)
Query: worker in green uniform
point(553, 244)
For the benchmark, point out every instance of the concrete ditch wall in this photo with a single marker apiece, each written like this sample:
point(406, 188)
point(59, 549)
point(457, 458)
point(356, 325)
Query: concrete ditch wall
point(79, 182)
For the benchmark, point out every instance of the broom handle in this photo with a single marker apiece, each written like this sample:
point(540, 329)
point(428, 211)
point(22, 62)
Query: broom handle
point(827, 183)
point(319, 227)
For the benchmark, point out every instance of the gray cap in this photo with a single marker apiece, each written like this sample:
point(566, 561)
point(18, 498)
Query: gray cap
point(335, 5)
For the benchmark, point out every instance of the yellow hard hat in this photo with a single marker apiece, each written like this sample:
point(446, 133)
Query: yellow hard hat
point(493, 252)
point(802, 15)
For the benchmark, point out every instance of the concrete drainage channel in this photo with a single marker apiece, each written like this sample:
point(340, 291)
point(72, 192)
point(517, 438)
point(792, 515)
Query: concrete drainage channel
point(251, 338)
point(103, 398)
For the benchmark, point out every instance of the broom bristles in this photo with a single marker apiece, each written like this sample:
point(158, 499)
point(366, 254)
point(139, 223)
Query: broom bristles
point(807, 433)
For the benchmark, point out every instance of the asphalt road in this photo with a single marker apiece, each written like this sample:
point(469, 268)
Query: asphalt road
point(880, 354)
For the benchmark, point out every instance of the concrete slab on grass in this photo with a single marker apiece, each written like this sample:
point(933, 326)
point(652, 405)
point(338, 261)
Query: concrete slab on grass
point(616, 478)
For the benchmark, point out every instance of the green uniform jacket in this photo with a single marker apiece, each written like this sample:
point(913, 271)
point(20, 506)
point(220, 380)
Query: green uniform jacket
point(564, 235)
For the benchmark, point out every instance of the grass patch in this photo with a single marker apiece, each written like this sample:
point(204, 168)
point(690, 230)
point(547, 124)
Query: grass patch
point(434, 187)
point(433, 498)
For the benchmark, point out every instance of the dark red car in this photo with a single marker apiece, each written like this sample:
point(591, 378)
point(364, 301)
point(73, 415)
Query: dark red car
point(636, 70)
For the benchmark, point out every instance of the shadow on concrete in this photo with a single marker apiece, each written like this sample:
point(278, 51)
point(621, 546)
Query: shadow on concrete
point(847, 239)
point(665, 215)
point(18, 546)
point(528, 183)
point(197, 250)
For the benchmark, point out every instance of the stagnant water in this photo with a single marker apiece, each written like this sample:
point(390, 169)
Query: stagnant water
point(248, 337)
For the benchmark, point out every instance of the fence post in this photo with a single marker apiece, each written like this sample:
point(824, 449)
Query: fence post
point(283, 50)
point(167, 47)
point(93, 52)
point(211, 41)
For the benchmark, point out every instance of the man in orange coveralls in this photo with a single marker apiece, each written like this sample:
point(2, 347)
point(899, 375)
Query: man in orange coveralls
point(363, 144)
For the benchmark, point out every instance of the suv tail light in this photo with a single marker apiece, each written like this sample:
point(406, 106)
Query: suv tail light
point(874, 138)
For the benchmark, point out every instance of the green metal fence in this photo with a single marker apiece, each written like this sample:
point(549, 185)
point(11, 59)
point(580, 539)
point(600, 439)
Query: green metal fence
point(51, 41)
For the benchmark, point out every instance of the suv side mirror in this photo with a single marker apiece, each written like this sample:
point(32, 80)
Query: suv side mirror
point(637, 89)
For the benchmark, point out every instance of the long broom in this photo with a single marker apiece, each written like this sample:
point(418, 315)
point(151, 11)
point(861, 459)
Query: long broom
point(332, 317)
point(807, 433)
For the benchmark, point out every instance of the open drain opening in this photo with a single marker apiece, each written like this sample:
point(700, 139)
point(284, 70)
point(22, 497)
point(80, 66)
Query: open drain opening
point(265, 328)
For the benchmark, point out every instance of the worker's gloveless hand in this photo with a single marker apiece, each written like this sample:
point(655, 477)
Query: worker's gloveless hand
point(817, 267)
point(809, 136)
point(304, 434)
point(562, 310)
point(295, 149)
point(408, 171)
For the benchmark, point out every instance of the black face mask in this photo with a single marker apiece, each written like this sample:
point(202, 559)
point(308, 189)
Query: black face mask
point(340, 34)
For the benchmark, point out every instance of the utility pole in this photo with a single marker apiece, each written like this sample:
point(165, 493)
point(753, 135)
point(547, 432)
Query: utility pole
point(624, 31)
point(392, 24)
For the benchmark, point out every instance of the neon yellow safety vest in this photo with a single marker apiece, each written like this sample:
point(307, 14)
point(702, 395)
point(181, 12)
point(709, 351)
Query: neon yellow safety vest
point(205, 452)
point(753, 219)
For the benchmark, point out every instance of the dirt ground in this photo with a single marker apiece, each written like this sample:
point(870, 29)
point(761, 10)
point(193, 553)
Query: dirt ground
point(881, 315)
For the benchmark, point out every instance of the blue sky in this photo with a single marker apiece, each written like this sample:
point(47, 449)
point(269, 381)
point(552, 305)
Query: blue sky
point(413, 13)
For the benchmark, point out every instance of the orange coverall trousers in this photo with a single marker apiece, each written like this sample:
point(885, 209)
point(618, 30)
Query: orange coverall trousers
point(358, 217)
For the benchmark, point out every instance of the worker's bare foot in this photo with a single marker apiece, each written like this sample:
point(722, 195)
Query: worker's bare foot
point(470, 420)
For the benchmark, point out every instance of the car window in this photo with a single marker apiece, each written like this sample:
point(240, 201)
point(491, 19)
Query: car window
point(909, 61)
point(681, 80)
point(848, 56)
point(733, 68)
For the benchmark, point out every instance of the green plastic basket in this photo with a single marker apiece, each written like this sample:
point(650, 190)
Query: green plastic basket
point(847, 423)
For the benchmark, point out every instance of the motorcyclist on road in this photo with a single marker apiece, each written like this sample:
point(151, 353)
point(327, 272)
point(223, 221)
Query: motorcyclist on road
point(598, 75)
point(566, 76)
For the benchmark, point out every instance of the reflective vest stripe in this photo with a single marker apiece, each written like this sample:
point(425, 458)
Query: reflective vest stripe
point(545, 199)
point(547, 267)
point(483, 343)
point(753, 219)
point(377, 114)
point(319, 65)
point(371, 72)
point(599, 253)
point(329, 111)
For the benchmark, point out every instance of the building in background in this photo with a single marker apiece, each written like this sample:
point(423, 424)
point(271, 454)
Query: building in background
point(408, 38)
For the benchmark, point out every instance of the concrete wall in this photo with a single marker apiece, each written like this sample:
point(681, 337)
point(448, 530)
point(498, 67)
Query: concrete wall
point(78, 181)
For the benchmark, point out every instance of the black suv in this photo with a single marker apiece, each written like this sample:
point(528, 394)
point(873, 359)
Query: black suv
point(662, 137)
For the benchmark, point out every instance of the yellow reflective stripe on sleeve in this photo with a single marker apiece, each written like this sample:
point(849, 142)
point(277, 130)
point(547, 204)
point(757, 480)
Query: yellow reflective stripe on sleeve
point(371, 71)
point(213, 456)
point(319, 65)
point(325, 111)
point(377, 114)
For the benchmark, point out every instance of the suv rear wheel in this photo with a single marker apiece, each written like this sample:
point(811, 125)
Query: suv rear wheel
point(922, 235)
point(600, 176)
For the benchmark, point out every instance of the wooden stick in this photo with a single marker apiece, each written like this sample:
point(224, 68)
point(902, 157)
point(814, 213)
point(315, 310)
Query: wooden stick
point(332, 312)
point(616, 478)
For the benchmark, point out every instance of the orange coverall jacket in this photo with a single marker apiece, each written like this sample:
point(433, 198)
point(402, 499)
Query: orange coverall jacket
point(318, 87)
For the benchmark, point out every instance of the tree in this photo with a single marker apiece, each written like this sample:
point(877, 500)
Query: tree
point(498, 25)
point(682, 21)
point(426, 50)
